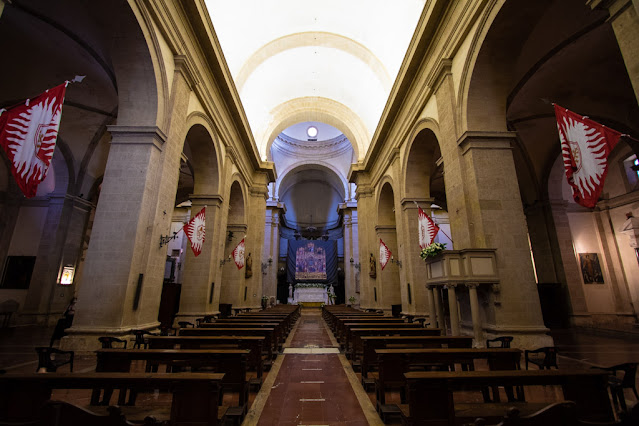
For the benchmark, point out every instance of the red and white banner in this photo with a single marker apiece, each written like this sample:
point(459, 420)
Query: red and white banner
point(238, 254)
point(28, 135)
point(384, 254)
point(585, 146)
point(427, 229)
point(194, 231)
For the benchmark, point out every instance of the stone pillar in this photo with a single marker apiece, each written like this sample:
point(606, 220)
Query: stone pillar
point(44, 281)
point(256, 216)
point(432, 316)
point(413, 265)
point(124, 269)
point(441, 321)
point(351, 251)
point(496, 215)
point(454, 311)
point(366, 236)
point(201, 271)
point(232, 282)
point(389, 282)
point(476, 315)
point(624, 19)
point(271, 251)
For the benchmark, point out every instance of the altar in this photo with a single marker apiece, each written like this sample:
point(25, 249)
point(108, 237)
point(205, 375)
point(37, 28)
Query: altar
point(315, 294)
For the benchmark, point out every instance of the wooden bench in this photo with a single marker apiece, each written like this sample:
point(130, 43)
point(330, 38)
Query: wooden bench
point(349, 328)
point(430, 394)
point(231, 362)
point(270, 342)
point(393, 363)
point(195, 395)
point(253, 343)
point(370, 343)
point(279, 333)
point(356, 334)
point(341, 326)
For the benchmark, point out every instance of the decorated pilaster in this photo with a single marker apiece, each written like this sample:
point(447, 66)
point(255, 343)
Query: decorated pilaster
point(367, 243)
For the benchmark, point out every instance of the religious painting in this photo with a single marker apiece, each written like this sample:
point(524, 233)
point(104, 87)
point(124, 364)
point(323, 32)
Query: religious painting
point(310, 262)
point(590, 268)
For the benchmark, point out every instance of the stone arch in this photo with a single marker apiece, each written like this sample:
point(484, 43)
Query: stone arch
point(203, 155)
point(237, 202)
point(388, 281)
point(142, 82)
point(315, 109)
point(421, 165)
point(313, 38)
point(343, 190)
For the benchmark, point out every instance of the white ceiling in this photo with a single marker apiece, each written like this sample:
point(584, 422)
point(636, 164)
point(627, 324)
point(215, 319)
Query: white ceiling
point(328, 57)
point(324, 131)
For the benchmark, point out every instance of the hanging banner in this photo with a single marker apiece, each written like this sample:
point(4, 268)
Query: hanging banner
point(238, 255)
point(384, 254)
point(28, 134)
point(585, 146)
point(427, 229)
point(195, 230)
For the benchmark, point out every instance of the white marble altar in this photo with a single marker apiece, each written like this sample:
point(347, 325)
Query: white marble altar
point(312, 294)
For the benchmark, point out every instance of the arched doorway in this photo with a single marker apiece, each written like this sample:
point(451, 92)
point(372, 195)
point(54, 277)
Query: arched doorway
point(387, 289)
point(233, 290)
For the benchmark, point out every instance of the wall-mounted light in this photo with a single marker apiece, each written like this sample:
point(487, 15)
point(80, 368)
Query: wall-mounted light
point(67, 275)
point(396, 262)
point(230, 237)
point(355, 265)
point(223, 261)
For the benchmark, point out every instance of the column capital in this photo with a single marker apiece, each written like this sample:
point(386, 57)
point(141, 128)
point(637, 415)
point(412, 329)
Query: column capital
point(212, 200)
point(485, 140)
point(451, 286)
point(472, 285)
point(137, 135)
point(184, 68)
point(409, 203)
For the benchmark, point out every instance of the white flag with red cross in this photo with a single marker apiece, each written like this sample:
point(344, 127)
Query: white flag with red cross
point(238, 254)
point(585, 147)
point(384, 254)
point(28, 134)
point(427, 229)
point(195, 231)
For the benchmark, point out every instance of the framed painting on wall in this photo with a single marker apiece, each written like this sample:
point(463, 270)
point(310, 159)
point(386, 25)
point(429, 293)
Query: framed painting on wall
point(590, 268)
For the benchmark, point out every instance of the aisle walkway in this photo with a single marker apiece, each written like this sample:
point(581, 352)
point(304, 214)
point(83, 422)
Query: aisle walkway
point(314, 383)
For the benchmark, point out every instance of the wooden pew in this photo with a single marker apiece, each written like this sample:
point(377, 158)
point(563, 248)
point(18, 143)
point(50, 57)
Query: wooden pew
point(393, 363)
point(279, 334)
point(230, 362)
point(253, 343)
point(370, 343)
point(195, 395)
point(348, 328)
point(356, 334)
point(430, 394)
point(270, 342)
point(341, 324)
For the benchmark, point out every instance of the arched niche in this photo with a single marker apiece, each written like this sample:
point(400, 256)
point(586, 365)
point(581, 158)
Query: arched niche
point(424, 168)
point(201, 152)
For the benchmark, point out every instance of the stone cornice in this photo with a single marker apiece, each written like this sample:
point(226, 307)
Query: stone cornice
point(486, 140)
point(137, 135)
point(213, 200)
point(183, 67)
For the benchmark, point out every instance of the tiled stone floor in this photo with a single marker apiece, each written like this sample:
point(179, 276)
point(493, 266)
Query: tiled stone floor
point(312, 384)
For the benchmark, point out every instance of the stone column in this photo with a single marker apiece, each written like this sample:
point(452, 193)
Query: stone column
point(201, 271)
point(366, 235)
point(256, 214)
point(432, 316)
point(452, 307)
point(389, 281)
point(441, 321)
point(413, 265)
point(271, 251)
point(624, 19)
point(351, 250)
point(124, 269)
point(44, 281)
point(476, 315)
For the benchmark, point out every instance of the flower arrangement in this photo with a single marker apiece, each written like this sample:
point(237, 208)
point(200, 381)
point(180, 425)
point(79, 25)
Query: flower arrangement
point(432, 250)
point(352, 300)
point(310, 285)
